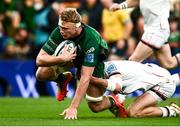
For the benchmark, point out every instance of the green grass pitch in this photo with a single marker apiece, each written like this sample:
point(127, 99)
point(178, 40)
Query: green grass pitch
point(44, 112)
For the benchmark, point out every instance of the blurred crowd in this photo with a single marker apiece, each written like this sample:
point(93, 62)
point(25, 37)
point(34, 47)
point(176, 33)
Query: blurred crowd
point(26, 24)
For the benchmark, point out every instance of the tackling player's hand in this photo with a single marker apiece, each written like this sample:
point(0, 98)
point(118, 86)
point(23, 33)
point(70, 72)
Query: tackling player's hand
point(70, 113)
point(114, 7)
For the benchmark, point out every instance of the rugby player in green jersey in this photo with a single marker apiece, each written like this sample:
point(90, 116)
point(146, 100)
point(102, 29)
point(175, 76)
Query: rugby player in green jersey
point(91, 53)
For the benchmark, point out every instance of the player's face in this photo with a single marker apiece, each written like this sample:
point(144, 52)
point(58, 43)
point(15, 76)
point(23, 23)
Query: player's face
point(68, 30)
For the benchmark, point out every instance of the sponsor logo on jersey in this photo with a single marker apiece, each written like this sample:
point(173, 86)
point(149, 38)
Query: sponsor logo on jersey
point(89, 58)
point(90, 50)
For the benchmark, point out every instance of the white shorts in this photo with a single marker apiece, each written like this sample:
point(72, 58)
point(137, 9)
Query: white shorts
point(162, 91)
point(155, 38)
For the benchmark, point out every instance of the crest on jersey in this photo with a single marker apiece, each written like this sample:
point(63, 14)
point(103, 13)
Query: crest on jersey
point(89, 58)
point(110, 69)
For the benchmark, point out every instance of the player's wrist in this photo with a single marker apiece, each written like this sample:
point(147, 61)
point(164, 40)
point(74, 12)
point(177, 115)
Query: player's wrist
point(123, 5)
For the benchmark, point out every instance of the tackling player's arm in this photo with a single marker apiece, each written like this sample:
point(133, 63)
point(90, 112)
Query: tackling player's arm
point(113, 83)
point(44, 59)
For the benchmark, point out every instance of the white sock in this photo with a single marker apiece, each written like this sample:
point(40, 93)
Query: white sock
point(165, 111)
point(176, 79)
point(172, 111)
point(168, 111)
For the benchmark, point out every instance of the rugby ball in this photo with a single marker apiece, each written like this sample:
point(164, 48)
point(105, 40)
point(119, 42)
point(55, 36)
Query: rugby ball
point(71, 45)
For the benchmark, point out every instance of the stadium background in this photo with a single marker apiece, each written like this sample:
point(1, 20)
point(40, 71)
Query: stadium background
point(26, 24)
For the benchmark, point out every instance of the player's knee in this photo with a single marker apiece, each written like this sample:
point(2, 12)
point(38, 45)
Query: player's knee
point(131, 112)
point(40, 75)
point(94, 106)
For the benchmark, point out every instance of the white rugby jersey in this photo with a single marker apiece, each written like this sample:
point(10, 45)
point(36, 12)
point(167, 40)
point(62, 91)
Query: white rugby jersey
point(155, 13)
point(136, 75)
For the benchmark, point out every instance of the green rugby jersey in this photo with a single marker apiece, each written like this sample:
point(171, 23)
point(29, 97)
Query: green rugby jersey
point(90, 52)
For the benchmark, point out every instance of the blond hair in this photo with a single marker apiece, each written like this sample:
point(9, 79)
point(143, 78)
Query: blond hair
point(70, 15)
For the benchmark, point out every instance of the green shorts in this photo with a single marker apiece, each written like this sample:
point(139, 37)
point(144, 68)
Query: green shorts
point(99, 70)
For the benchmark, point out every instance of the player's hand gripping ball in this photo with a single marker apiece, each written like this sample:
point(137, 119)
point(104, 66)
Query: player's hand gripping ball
point(71, 45)
point(59, 50)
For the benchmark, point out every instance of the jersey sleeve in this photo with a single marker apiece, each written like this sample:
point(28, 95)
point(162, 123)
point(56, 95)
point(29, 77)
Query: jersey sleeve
point(54, 39)
point(111, 69)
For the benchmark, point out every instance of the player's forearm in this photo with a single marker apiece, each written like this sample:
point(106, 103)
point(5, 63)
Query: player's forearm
point(80, 92)
point(124, 5)
point(99, 82)
point(86, 73)
point(113, 84)
point(48, 60)
point(127, 4)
